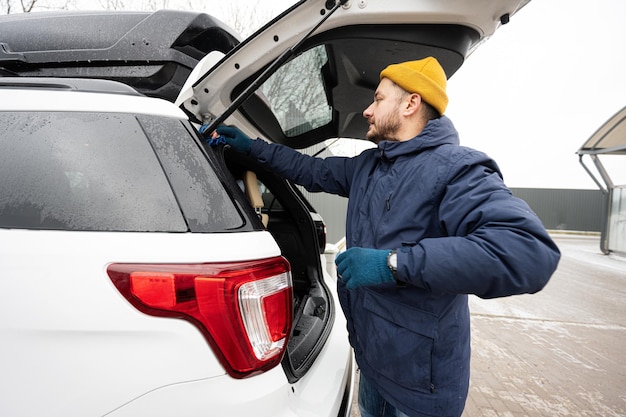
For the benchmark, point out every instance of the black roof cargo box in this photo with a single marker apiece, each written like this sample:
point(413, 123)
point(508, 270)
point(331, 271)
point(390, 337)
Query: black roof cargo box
point(154, 52)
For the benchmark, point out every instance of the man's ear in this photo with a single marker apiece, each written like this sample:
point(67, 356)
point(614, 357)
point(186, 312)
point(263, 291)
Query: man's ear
point(411, 104)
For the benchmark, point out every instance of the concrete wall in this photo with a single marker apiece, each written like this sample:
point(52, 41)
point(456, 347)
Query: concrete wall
point(565, 209)
point(558, 209)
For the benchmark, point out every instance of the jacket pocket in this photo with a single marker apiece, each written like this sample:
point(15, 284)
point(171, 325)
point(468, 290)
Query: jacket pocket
point(397, 341)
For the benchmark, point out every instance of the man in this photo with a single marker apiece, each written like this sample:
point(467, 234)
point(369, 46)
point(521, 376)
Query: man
point(428, 222)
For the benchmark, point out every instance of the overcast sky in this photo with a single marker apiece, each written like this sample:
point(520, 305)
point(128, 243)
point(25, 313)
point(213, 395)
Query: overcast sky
point(540, 87)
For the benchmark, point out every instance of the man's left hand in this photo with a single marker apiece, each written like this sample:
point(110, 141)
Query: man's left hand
point(361, 267)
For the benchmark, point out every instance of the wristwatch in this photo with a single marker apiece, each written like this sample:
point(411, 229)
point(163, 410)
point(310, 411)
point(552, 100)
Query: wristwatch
point(392, 263)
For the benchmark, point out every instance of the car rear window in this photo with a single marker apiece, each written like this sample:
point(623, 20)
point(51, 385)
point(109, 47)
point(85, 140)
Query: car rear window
point(297, 94)
point(98, 172)
point(207, 206)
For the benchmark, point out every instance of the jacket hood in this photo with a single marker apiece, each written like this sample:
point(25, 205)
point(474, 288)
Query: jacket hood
point(437, 132)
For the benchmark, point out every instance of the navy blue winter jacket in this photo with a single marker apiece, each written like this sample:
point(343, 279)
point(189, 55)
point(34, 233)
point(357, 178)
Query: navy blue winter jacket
point(458, 230)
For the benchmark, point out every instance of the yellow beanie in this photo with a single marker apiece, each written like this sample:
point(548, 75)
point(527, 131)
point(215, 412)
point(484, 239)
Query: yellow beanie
point(424, 77)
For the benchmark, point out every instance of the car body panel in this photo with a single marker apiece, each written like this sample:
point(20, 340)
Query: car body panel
point(159, 360)
point(99, 322)
point(70, 337)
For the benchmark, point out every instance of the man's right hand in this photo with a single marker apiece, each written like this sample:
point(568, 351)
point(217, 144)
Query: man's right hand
point(235, 138)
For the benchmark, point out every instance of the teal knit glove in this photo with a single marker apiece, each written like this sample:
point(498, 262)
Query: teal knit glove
point(235, 138)
point(361, 267)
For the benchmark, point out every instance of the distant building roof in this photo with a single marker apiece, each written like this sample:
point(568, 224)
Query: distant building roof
point(609, 139)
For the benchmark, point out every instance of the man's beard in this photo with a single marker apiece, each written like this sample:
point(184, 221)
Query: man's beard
point(385, 129)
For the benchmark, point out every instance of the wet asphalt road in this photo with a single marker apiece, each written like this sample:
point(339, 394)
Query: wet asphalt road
point(560, 352)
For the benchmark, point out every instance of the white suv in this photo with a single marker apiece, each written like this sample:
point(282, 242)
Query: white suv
point(145, 272)
point(136, 278)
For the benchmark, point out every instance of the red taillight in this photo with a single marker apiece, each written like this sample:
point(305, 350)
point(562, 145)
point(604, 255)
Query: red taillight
point(244, 309)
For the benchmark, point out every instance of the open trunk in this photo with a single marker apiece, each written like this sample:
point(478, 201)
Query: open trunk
point(290, 219)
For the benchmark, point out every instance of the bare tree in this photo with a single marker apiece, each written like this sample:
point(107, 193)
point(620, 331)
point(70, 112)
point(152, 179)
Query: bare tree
point(25, 5)
point(246, 17)
point(5, 6)
point(243, 16)
point(139, 5)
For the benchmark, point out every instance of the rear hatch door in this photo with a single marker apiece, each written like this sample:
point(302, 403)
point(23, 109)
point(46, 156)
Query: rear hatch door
point(308, 74)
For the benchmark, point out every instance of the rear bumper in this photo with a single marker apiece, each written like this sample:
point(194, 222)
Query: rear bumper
point(323, 392)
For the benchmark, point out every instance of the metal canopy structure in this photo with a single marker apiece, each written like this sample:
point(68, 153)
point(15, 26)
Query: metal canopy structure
point(609, 139)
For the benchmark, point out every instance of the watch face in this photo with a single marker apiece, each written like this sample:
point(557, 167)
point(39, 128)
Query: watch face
point(393, 260)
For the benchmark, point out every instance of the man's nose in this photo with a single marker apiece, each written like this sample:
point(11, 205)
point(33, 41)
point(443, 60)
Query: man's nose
point(367, 113)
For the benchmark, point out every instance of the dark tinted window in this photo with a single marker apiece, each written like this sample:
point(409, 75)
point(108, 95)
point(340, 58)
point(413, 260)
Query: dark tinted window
point(81, 171)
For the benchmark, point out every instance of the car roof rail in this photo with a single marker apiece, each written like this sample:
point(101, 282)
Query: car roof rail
point(7, 55)
point(74, 84)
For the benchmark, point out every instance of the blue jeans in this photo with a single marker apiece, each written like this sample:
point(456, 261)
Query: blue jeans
point(372, 404)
